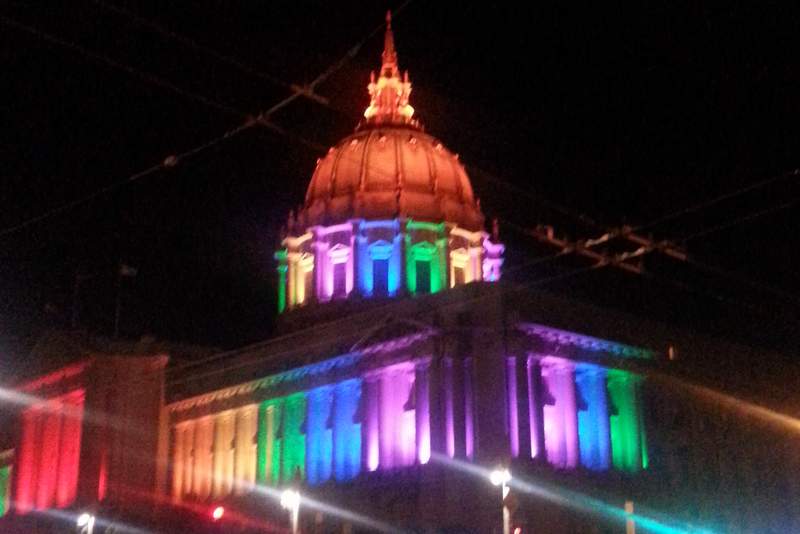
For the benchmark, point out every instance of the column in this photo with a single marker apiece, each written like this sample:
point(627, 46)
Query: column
point(370, 426)
point(347, 430)
point(423, 430)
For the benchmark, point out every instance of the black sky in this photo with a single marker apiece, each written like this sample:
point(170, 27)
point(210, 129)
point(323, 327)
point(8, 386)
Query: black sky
point(620, 114)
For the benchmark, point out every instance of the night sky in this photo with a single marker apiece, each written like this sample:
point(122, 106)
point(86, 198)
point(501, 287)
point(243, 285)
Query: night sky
point(582, 118)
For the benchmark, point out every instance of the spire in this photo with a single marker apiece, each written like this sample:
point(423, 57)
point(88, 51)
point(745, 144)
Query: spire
point(389, 92)
point(389, 56)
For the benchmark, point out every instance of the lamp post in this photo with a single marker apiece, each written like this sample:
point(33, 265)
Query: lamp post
point(501, 477)
point(290, 500)
point(85, 522)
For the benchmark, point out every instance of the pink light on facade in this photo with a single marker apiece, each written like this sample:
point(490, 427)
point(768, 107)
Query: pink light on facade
point(372, 436)
point(511, 403)
point(560, 419)
point(450, 437)
point(397, 416)
point(469, 400)
point(533, 417)
point(423, 427)
point(493, 260)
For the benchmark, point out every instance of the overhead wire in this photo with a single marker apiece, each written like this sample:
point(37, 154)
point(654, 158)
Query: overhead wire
point(192, 43)
point(716, 200)
point(372, 312)
point(172, 160)
point(262, 119)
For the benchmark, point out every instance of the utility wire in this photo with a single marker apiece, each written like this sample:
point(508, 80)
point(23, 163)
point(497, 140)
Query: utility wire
point(710, 202)
point(740, 220)
point(191, 43)
point(171, 161)
point(371, 312)
point(262, 119)
point(136, 73)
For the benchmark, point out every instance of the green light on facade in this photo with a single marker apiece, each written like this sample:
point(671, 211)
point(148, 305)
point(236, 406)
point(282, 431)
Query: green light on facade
point(294, 438)
point(281, 439)
point(5, 489)
point(627, 436)
point(282, 256)
point(269, 441)
point(425, 251)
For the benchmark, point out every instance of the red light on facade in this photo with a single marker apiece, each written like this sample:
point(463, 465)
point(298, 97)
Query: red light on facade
point(218, 512)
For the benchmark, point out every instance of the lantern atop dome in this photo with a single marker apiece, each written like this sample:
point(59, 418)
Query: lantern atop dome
point(389, 93)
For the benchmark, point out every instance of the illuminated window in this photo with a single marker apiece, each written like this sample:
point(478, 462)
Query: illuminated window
point(429, 254)
point(423, 276)
point(458, 276)
point(380, 277)
point(339, 280)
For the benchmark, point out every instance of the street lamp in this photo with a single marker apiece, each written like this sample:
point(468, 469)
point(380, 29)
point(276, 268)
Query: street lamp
point(290, 500)
point(501, 477)
point(86, 523)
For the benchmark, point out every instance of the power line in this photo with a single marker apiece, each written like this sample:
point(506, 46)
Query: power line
point(224, 58)
point(168, 163)
point(717, 199)
point(171, 161)
point(369, 312)
point(263, 120)
point(191, 43)
point(144, 76)
point(740, 220)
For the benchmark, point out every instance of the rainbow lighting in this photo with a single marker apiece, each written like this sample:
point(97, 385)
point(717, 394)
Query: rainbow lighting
point(587, 414)
point(389, 211)
point(583, 414)
point(336, 431)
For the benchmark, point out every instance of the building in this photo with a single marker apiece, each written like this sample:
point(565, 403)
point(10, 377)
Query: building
point(406, 372)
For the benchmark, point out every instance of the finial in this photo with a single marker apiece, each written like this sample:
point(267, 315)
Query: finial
point(389, 54)
point(390, 91)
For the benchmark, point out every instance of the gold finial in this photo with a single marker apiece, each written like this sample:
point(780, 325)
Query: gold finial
point(389, 53)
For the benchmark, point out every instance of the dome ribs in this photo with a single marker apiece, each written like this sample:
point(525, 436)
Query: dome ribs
point(383, 172)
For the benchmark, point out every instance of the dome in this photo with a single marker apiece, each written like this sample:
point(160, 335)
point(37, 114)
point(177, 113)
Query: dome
point(388, 171)
point(389, 211)
point(390, 167)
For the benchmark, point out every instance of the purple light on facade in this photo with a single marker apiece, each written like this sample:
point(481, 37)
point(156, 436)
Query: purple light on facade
point(533, 416)
point(511, 402)
point(469, 422)
point(423, 427)
point(397, 416)
point(371, 423)
point(328, 254)
point(449, 429)
point(560, 419)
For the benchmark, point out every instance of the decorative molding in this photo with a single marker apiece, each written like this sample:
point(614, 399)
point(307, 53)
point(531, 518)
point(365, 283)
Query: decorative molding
point(55, 377)
point(299, 373)
point(564, 337)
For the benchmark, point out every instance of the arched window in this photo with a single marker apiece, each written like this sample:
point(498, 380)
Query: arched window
point(423, 268)
point(379, 258)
